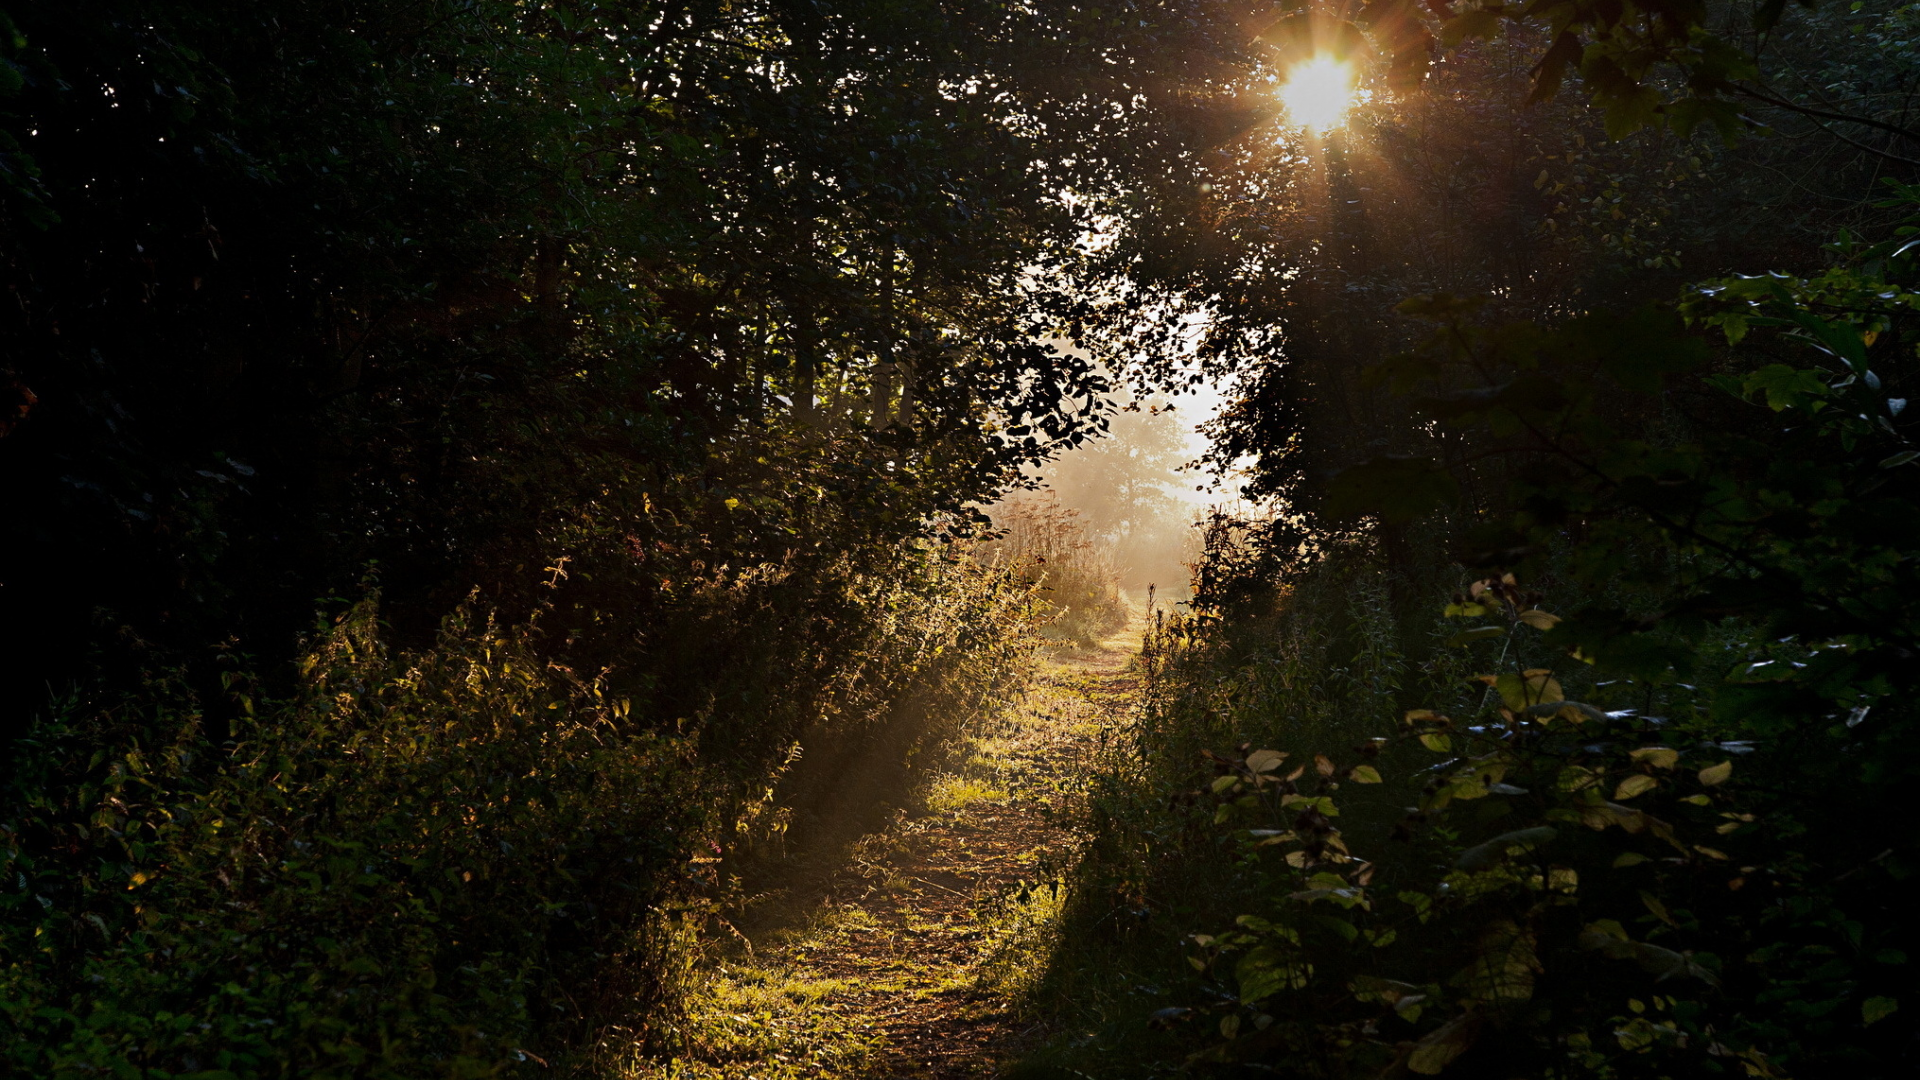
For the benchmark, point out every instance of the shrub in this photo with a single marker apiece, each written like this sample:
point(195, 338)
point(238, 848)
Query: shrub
point(442, 862)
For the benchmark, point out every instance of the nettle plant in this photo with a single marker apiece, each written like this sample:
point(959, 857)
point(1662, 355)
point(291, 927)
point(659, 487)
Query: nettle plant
point(1547, 905)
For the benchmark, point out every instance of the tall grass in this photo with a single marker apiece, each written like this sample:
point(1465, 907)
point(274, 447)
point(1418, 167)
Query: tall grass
point(1077, 584)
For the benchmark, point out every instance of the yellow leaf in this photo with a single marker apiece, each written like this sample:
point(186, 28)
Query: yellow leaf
point(1638, 784)
point(1660, 757)
point(1262, 761)
point(1364, 774)
point(1631, 858)
point(1714, 775)
point(1439, 744)
point(1711, 853)
point(1538, 619)
point(1659, 909)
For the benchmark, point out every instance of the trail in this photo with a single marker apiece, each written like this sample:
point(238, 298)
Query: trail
point(908, 960)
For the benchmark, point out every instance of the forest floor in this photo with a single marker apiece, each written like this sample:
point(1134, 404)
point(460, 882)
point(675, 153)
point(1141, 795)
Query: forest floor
point(908, 957)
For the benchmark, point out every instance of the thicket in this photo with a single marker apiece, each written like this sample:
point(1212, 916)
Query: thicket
point(446, 860)
point(1554, 725)
point(648, 358)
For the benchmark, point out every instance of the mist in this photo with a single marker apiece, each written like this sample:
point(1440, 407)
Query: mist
point(1133, 493)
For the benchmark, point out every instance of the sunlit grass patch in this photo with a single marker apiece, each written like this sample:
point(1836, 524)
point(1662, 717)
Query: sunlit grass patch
point(1023, 931)
point(770, 1024)
point(951, 792)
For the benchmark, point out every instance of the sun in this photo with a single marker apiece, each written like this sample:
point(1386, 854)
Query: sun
point(1318, 92)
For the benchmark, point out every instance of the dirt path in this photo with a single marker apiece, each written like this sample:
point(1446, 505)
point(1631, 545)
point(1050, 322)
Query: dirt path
point(907, 963)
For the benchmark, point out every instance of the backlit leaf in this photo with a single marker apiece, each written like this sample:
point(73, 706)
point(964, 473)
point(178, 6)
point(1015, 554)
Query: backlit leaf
point(1638, 784)
point(1441, 1046)
point(1263, 761)
point(1660, 757)
point(1538, 619)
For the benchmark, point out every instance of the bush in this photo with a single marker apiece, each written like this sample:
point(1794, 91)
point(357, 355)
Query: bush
point(1537, 871)
point(445, 862)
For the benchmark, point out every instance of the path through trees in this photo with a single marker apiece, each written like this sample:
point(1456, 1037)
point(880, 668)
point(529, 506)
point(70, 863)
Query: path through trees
point(906, 959)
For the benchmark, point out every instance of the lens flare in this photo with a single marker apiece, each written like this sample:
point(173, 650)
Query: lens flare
point(1318, 93)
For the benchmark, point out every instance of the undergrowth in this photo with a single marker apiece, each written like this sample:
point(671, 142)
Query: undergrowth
point(464, 860)
point(1318, 857)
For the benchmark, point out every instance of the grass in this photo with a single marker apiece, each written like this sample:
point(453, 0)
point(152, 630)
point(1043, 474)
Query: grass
point(955, 792)
point(910, 951)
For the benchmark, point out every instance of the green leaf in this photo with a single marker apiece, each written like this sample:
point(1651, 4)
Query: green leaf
point(1552, 68)
point(1477, 23)
point(1715, 775)
point(1478, 633)
point(1875, 1009)
point(1265, 971)
point(1437, 743)
point(1364, 774)
point(1521, 690)
point(1785, 387)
